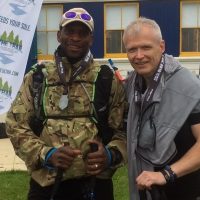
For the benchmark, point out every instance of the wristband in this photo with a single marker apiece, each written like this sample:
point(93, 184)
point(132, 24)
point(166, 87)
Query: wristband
point(169, 175)
point(48, 155)
point(109, 156)
point(166, 175)
point(172, 174)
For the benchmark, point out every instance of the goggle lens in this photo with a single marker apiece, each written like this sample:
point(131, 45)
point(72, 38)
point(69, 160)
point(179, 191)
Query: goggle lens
point(85, 17)
point(72, 15)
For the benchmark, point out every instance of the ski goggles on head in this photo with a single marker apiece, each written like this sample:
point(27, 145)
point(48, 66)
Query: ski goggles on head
point(74, 15)
point(78, 14)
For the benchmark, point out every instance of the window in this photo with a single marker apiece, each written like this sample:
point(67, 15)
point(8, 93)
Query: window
point(117, 17)
point(47, 27)
point(190, 30)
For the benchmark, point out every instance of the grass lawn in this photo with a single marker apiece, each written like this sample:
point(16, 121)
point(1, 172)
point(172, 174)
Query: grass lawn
point(14, 185)
point(120, 180)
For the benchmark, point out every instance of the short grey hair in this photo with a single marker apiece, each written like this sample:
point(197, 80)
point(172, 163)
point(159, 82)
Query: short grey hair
point(135, 26)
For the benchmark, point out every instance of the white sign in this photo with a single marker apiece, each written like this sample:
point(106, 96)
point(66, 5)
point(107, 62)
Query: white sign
point(18, 19)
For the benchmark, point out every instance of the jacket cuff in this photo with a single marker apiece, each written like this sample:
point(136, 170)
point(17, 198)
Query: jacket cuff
point(43, 154)
point(119, 157)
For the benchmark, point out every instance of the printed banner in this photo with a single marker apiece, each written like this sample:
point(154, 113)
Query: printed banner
point(18, 20)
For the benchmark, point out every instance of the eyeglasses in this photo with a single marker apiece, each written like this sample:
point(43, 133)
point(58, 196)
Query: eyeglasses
point(72, 15)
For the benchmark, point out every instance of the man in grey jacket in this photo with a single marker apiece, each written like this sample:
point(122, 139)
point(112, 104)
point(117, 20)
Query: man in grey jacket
point(163, 119)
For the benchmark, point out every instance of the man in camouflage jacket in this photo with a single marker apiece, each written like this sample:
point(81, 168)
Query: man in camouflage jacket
point(73, 112)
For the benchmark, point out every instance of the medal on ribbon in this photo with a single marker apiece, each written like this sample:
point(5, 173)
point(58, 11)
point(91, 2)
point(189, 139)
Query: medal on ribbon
point(63, 103)
point(64, 100)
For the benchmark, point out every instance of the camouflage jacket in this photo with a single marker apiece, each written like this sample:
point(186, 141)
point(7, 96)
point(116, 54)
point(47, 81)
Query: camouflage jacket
point(63, 125)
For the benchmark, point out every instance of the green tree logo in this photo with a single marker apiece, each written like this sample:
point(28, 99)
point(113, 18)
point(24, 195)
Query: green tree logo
point(5, 88)
point(11, 39)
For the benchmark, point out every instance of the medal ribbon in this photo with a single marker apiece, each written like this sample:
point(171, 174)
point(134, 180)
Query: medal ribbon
point(151, 89)
point(63, 103)
point(62, 72)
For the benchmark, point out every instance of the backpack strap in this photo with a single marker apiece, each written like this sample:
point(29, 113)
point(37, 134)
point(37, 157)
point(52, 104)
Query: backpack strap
point(36, 122)
point(103, 87)
point(102, 92)
point(38, 88)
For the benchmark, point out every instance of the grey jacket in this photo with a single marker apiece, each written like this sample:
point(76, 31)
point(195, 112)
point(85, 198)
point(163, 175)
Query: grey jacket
point(177, 95)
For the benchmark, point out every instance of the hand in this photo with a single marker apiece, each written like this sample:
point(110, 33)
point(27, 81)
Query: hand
point(63, 157)
point(147, 179)
point(96, 161)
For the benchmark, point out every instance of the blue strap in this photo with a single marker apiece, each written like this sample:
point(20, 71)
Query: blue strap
point(109, 156)
point(48, 155)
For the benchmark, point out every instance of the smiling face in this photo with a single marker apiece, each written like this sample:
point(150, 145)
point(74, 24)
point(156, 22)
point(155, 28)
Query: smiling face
point(75, 40)
point(144, 49)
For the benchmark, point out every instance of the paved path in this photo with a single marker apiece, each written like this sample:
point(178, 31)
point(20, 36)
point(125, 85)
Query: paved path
point(8, 158)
